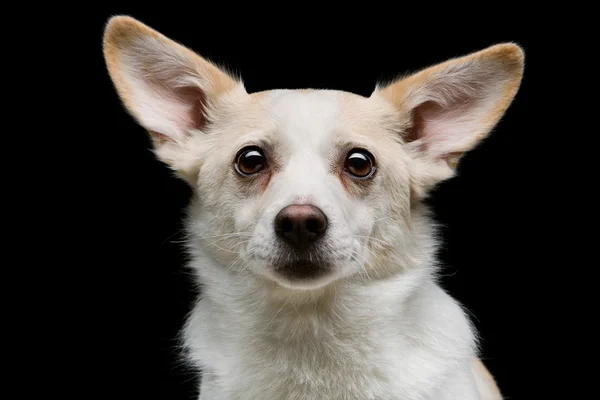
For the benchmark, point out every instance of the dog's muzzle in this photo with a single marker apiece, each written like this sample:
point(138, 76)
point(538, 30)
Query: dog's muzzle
point(300, 228)
point(300, 225)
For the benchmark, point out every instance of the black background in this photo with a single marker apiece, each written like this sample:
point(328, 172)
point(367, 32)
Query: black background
point(140, 291)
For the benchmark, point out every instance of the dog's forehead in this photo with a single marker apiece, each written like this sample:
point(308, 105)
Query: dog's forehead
point(308, 118)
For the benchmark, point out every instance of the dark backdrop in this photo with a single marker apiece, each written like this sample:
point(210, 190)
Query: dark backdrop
point(141, 290)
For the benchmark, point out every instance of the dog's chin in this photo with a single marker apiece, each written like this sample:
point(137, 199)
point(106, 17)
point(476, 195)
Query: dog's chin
point(302, 274)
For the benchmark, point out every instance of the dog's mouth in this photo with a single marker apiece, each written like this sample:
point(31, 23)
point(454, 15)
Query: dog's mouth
point(301, 267)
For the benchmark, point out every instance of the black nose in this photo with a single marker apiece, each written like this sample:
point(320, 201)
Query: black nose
point(300, 225)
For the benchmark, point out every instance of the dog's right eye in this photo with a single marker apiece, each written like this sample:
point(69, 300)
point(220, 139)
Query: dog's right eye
point(249, 161)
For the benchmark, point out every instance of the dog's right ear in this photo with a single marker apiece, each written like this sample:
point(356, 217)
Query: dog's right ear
point(165, 86)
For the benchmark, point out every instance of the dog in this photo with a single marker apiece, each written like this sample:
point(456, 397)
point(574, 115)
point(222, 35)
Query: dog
point(308, 231)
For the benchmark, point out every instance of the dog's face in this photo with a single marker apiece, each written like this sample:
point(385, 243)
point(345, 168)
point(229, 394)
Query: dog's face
point(305, 187)
point(296, 180)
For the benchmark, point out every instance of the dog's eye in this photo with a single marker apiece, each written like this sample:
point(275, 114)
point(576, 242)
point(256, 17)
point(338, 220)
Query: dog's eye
point(359, 163)
point(249, 161)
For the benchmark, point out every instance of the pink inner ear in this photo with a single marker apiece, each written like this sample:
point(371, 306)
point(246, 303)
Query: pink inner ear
point(446, 129)
point(195, 98)
point(184, 99)
point(166, 88)
point(170, 114)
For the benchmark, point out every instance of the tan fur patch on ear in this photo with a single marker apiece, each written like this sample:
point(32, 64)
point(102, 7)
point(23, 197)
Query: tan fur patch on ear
point(509, 57)
point(123, 32)
point(446, 109)
point(487, 379)
point(169, 89)
point(512, 59)
point(506, 59)
point(159, 139)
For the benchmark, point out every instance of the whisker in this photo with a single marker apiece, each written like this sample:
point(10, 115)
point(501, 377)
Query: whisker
point(382, 219)
point(220, 248)
point(362, 271)
point(176, 233)
point(244, 267)
point(227, 235)
point(364, 262)
point(238, 258)
point(276, 314)
point(371, 238)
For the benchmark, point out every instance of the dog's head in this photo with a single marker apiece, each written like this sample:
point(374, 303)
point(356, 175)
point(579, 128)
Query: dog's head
point(305, 187)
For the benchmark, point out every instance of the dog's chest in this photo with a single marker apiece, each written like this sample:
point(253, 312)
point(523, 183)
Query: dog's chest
point(321, 363)
point(314, 356)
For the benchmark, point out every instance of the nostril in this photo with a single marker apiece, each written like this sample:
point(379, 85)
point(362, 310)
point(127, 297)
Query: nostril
point(285, 225)
point(300, 225)
point(315, 225)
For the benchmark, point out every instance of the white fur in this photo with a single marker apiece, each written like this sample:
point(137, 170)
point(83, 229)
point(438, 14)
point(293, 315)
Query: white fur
point(377, 325)
point(400, 337)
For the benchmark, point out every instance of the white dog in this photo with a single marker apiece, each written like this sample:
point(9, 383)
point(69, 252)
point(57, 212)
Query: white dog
point(307, 230)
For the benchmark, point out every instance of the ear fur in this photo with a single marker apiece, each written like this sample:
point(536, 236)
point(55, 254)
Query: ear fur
point(448, 108)
point(165, 86)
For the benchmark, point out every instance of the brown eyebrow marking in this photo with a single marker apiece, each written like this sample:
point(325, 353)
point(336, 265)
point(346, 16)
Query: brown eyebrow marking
point(258, 184)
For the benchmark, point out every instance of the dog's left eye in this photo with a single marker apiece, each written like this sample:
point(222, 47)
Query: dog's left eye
point(250, 161)
point(359, 163)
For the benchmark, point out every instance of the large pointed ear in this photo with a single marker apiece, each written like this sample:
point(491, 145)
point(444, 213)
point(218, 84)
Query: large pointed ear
point(447, 109)
point(165, 86)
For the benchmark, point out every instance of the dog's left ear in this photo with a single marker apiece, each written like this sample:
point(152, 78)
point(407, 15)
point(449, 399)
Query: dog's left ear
point(447, 109)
